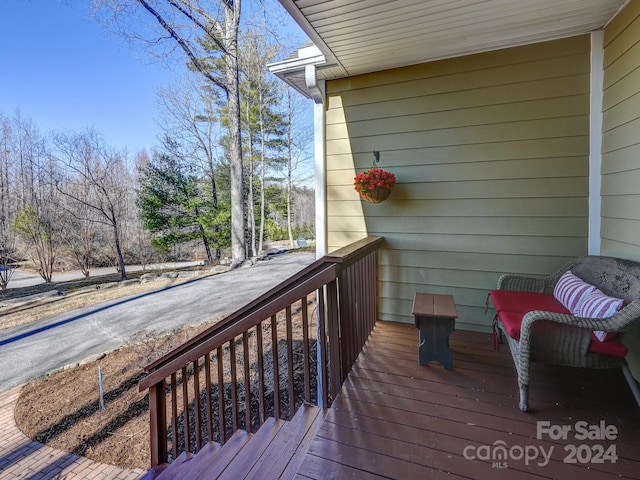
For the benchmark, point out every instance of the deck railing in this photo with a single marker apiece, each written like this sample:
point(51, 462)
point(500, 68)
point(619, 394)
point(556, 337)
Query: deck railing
point(296, 343)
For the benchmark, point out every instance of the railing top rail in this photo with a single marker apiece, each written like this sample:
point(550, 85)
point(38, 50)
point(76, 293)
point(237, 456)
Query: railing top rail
point(227, 331)
point(308, 279)
point(355, 251)
point(307, 271)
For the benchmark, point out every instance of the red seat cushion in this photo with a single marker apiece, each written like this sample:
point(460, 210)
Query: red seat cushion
point(512, 321)
point(512, 301)
point(611, 347)
point(511, 306)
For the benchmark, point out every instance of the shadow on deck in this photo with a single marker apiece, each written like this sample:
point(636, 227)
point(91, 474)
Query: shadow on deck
point(396, 419)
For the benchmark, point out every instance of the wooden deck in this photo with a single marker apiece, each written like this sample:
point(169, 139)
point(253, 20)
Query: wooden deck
point(396, 419)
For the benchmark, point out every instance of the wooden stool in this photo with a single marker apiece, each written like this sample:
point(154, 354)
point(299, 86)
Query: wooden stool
point(435, 317)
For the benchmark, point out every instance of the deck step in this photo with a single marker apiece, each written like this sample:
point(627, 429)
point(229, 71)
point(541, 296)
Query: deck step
point(274, 451)
point(172, 470)
point(285, 453)
point(209, 465)
point(253, 450)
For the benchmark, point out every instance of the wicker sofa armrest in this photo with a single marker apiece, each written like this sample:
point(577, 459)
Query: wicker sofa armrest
point(616, 323)
point(575, 336)
point(563, 337)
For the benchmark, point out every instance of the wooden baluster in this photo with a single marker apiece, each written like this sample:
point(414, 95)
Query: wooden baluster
point(361, 320)
point(209, 395)
point(335, 361)
point(305, 349)
point(292, 395)
point(373, 288)
point(322, 351)
point(261, 399)
point(174, 413)
point(346, 319)
point(234, 384)
point(247, 380)
point(222, 410)
point(185, 407)
point(196, 401)
point(365, 299)
point(276, 368)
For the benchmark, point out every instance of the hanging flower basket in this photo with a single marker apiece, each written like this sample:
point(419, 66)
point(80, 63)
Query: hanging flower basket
point(374, 185)
point(377, 195)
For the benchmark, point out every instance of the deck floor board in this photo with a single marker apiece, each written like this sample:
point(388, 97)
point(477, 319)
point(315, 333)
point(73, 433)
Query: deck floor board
point(396, 419)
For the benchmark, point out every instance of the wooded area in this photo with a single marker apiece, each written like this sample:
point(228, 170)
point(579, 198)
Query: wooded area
point(225, 176)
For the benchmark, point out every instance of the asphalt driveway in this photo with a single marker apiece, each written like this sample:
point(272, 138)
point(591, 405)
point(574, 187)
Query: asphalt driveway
point(29, 351)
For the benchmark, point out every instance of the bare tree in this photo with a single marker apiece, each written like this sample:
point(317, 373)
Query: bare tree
point(207, 34)
point(35, 205)
point(7, 249)
point(7, 237)
point(139, 238)
point(28, 223)
point(192, 119)
point(38, 229)
point(80, 230)
point(297, 141)
point(96, 179)
point(190, 115)
point(27, 148)
point(6, 209)
point(260, 123)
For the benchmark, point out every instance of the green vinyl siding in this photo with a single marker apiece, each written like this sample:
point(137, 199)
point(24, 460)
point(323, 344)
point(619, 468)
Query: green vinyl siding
point(491, 153)
point(620, 191)
point(620, 231)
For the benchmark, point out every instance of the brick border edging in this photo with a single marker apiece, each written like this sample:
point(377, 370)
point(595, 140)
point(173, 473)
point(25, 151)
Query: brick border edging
point(22, 457)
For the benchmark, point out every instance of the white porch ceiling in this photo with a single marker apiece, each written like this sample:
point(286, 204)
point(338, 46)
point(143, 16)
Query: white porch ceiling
point(363, 36)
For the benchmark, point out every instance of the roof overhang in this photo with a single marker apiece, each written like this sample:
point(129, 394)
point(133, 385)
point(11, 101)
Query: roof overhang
point(355, 37)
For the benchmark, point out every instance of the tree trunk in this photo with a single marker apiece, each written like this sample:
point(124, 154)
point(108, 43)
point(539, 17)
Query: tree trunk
point(238, 239)
point(263, 162)
point(214, 196)
point(205, 240)
point(116, 233)
point(289, 171)
point(289, 200)
point(251, 216)
point(207, 247)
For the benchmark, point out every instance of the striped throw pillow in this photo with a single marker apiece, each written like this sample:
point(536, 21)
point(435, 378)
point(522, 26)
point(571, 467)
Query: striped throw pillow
point(570, 291)
point(599, 305)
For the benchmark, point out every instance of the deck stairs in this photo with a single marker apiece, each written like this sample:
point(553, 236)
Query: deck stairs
point(275, 451)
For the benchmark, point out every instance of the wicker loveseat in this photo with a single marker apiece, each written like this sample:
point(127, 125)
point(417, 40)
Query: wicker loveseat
point(539, 328)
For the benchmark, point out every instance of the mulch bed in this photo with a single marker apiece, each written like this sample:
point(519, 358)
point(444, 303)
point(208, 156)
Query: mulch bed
point(62, 410)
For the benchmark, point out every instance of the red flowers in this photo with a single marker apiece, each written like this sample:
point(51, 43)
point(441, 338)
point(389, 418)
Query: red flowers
point(366, 181)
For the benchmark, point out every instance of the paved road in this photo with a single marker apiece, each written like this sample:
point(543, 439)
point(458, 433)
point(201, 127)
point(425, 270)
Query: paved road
point(29, 351)
point(21, 279)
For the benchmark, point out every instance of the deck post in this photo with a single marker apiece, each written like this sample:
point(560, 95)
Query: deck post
point(158, 424)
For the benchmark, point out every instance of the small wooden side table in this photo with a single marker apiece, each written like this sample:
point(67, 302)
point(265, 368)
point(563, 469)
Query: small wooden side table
point(435, 317)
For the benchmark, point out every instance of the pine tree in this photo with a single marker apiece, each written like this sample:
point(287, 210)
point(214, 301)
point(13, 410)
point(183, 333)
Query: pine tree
point(177, 209)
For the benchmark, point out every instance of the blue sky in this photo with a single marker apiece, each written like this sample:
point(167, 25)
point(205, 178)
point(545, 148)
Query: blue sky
point(61, 69)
